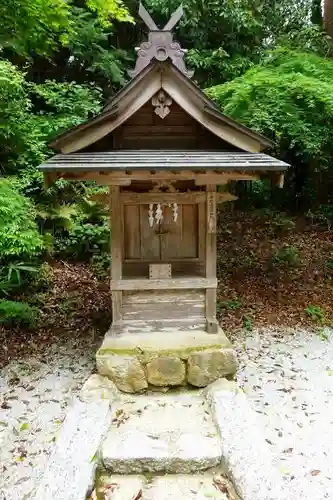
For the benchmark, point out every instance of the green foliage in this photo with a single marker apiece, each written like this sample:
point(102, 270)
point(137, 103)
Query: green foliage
point(248, 322)
point(101, 264)
point(109, 9)
point(225, 38)
point(41, 27)
point(324, 213)
point(18, 313)
point(84, 239)
point(232, 304)
point(316, 313)
point(19, 237)
point(43, 279)
point(282, 224)
point(286, 256)
point(289, 98)
point(31, 115)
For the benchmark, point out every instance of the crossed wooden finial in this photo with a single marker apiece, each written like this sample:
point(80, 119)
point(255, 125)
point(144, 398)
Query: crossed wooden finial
point(160, 44)
point(150, 23)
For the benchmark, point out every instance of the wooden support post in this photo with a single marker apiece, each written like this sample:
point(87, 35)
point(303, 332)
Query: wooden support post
point(211, 322)
point(116, 250)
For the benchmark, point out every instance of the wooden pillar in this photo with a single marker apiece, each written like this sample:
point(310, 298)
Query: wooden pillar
point(211, 322)
point(116, 250)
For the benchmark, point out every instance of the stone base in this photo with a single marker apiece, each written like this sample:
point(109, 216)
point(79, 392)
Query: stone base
point(165, 359)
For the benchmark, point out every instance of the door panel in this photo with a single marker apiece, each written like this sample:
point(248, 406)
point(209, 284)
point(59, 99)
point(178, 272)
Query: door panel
point(150, 241)
point(181, 238)
point(163, 242)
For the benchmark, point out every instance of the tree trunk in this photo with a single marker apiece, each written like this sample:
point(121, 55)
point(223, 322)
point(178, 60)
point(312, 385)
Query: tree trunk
point(316, 13)
point(328, 17)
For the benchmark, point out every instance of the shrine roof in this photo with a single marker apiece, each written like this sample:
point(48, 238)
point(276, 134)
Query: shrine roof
point(121, 160)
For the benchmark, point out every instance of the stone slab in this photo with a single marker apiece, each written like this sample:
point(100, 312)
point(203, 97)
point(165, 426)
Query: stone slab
point(70, 471)
point(199, 486)
point(189, 487)
point(168, 433)
point(166, 343)
point(246, 454)
point(118, 487)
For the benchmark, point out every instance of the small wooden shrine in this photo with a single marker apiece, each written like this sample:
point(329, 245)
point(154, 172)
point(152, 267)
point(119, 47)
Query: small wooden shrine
point(162, 147)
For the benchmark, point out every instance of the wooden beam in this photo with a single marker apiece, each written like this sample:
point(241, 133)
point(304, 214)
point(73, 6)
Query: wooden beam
point(223, 197)
point(224, 178)
point(116, 249)
point(211, 322)
point(164, 284)
point(147, 198)
point(125, 178)
point(180, 198)
point(280, 182)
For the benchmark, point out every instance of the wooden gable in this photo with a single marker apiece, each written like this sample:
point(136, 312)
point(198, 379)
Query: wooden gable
point(138, 95)
point(146, 130)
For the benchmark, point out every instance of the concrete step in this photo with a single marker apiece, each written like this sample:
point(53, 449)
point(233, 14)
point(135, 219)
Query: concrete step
point(170, 433)
point(202, 486)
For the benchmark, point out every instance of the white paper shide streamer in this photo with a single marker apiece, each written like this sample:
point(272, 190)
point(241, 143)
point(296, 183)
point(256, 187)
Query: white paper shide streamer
point(156, 215)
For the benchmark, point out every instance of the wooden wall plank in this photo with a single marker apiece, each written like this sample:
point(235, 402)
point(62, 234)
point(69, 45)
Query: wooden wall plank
point(150, 243)
point(132, 240)
point(190, 232)
point(164, 284)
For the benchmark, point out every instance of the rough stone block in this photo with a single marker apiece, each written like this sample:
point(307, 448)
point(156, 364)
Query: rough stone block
point(246, 454)
point(166, 370)
point(71, 469)
point(98, 387)
point(125, 371)
point(207, 366)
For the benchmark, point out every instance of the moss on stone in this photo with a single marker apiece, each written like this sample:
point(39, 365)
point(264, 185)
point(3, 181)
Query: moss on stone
point(146, 354)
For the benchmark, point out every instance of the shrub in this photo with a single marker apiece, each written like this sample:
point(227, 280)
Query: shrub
point(19, 236)
point(289, 98)
point(316, 313)
point(18, 313)
point(287, 256)
point(43, 278)
point(324, 213)
point(84, 240)
point(100, 264)
point(14, 275)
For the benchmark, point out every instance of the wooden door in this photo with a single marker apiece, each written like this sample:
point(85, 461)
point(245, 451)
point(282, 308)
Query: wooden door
point(167, 241)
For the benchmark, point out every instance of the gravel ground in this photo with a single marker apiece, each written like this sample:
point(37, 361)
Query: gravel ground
point(288, 377)
point(34, 395)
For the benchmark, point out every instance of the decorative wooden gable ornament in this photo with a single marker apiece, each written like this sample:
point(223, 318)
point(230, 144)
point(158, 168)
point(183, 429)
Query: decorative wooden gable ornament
point(160, 45)
point(162, 146)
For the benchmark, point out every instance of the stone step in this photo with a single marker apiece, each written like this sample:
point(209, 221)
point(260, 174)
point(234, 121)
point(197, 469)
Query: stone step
point(200, 486)
point(171, 433)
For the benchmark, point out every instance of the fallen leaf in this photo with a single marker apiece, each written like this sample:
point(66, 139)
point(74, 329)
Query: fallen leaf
point(138, 496)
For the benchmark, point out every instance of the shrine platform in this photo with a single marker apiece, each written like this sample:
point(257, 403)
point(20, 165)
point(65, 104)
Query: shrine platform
point(139, 358)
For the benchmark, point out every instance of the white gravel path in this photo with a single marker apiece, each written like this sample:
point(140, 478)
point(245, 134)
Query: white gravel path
point(34, 395)
point(288, 377)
